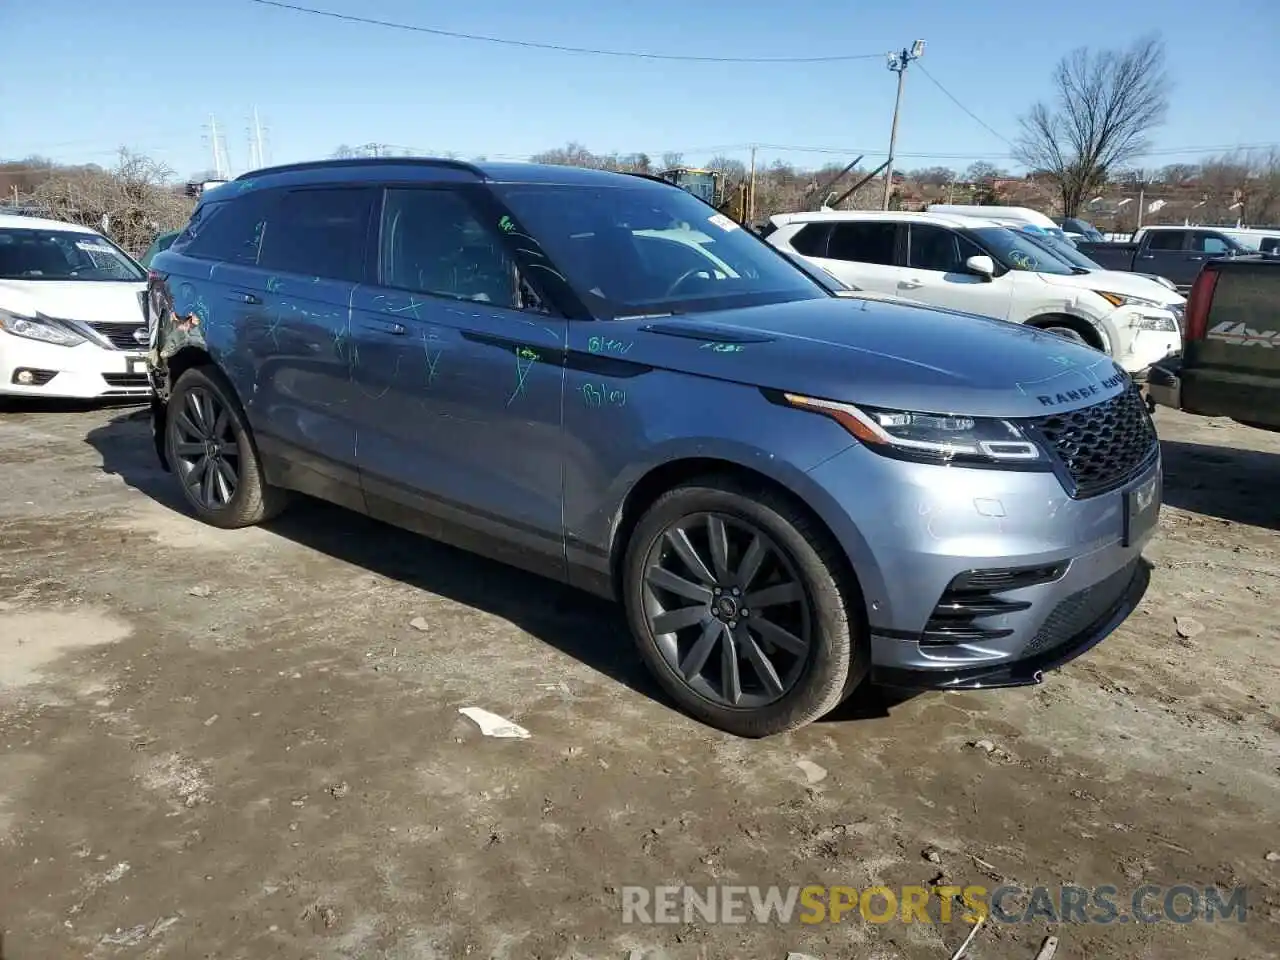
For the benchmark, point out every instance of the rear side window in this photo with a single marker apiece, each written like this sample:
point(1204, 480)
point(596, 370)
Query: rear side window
point(226, 230)
point(863, 242)
point(811, 240)
point(1166, 239)
point(319, 233)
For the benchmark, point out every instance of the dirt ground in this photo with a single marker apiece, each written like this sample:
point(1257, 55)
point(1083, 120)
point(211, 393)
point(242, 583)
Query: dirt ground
point(239, 745)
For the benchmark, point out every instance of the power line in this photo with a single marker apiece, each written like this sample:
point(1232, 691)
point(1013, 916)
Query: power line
point(947, 93)
point(557, 47)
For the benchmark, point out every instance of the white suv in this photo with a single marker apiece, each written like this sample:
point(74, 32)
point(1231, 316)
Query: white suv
point(71, 322)
point(973, 265)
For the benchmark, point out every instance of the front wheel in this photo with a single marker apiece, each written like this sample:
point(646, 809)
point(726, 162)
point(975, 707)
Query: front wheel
point(213, 455)
point(1068, 334)
point(739, 607)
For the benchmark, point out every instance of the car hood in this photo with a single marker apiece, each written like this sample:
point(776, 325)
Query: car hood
point(886, 354)
point(92, 301)
point(1116, 281)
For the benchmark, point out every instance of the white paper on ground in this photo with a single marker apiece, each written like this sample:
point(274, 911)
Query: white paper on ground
point(492, 725)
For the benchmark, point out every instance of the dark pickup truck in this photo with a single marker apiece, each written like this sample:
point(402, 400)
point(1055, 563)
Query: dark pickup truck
point(1230, 362)
point(1176, 254)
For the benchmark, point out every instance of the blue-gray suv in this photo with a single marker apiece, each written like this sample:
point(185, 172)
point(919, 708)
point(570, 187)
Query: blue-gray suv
point(792, 488)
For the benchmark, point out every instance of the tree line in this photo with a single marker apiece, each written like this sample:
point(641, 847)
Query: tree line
point(1081, 146)
point(131, 201)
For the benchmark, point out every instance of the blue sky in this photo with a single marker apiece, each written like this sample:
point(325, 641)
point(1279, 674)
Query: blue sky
point(82, 77)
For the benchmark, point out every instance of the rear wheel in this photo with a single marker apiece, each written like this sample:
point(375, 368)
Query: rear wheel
point(213, 455)
point(738, 606)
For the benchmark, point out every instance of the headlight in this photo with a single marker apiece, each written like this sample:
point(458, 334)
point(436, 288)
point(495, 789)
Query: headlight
point(1124, 300)
point(937, 438)
point(1154, 322)
point(38, 328)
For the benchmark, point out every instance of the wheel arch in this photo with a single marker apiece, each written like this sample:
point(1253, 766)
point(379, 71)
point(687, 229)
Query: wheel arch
point(1093, 335)
point(188, 357)
point(673, 473)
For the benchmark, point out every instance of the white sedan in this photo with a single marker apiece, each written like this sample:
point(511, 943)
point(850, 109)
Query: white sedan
point(71, 322)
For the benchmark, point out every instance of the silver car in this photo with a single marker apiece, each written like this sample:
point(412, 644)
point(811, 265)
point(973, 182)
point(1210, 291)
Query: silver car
point(793, 489)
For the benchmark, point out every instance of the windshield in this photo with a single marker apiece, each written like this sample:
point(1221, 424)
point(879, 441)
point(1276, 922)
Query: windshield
point(1082, 227)
point(159, 245)
point(27, 254)
point(1065, 251)
point(1021, 251)
point(649, 250)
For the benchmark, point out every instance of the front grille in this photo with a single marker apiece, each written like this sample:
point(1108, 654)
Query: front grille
point(136, 380)
point(121, 334)
point(1082, 610)
point(1102, 446)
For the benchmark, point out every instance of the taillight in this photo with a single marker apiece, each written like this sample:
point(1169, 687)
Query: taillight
point(1197, 316)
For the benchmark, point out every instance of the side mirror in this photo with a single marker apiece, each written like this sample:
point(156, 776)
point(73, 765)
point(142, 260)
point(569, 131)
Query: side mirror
point(982, 265)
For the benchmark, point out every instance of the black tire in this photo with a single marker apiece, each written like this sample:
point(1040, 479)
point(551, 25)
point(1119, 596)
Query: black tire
point(837, 656)
point(252, 500)
point(1067, 333)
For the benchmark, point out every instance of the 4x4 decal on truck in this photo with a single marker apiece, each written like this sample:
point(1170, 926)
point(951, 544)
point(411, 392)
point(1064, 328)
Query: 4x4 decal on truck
point(1233, 332)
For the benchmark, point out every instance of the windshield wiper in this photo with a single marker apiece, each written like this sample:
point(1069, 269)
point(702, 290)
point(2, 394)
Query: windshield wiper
point(653, 315)
point(1080, 271)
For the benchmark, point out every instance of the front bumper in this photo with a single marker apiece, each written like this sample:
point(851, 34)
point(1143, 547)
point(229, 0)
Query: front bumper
point(1138, 349)
point(1031, 667)
point(913, 532)
point(83, 372)
point(1164, 385)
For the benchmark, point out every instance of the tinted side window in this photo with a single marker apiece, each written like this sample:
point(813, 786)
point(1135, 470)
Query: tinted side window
point(1166, 239)
point(1208, 243)
point(934, 248)
point(811, 240)
point(432, 242)
point(228, 230)
point(863, 242)
point(319, 233)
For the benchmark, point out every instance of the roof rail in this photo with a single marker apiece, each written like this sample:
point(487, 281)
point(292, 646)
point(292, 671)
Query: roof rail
point(361, 162)
point(647, 176)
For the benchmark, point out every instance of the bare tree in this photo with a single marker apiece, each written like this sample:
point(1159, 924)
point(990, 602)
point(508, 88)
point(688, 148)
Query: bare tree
point(344, 152)
point(570, 155)
point(1104, 105)
point(980, 172)
point(671, 159)
point(1179, 173)
point(131, 203)
point(933, 176)
point(636, 163)
point(731, 171)
point(1243, 186)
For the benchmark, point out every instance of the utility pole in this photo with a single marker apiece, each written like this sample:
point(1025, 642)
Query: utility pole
point(258, 159)
point(217, 150)
point(751, 190)
point(898, 63)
